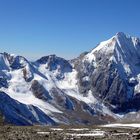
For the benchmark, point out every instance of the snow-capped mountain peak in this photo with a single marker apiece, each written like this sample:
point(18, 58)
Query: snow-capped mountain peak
point(118, 46)
point(95, 86)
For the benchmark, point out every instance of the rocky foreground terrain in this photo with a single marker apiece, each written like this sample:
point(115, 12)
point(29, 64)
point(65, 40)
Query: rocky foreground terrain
point(67, 133)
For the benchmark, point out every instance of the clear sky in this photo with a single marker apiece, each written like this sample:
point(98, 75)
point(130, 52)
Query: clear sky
point(34, 28)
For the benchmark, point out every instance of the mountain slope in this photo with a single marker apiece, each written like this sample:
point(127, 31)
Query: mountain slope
point(20, 114)
point(111, 71)
point(92, 89)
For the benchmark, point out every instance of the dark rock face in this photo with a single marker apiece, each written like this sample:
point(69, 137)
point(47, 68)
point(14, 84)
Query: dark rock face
point(8, 57)
point(84, 69)
point(3, 82)
point(27, 75)
point(18, 62)
point(39, 91)
point(104, 82)
point(61, 99)
point(88, 109)
point(108, 85)
point(132, 104)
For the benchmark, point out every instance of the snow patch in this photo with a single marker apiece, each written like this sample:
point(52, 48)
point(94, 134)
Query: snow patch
point(93, 133)
point(119, 125)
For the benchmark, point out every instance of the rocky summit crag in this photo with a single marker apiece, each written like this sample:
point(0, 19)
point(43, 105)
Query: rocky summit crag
point(98, 87)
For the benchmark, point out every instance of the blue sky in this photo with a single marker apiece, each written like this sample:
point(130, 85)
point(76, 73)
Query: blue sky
point(34, 28)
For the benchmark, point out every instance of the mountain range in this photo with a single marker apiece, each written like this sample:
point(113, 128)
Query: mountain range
point(98, 87)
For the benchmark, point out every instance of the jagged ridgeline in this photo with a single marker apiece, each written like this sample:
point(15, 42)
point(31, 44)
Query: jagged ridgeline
point(97, 87)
